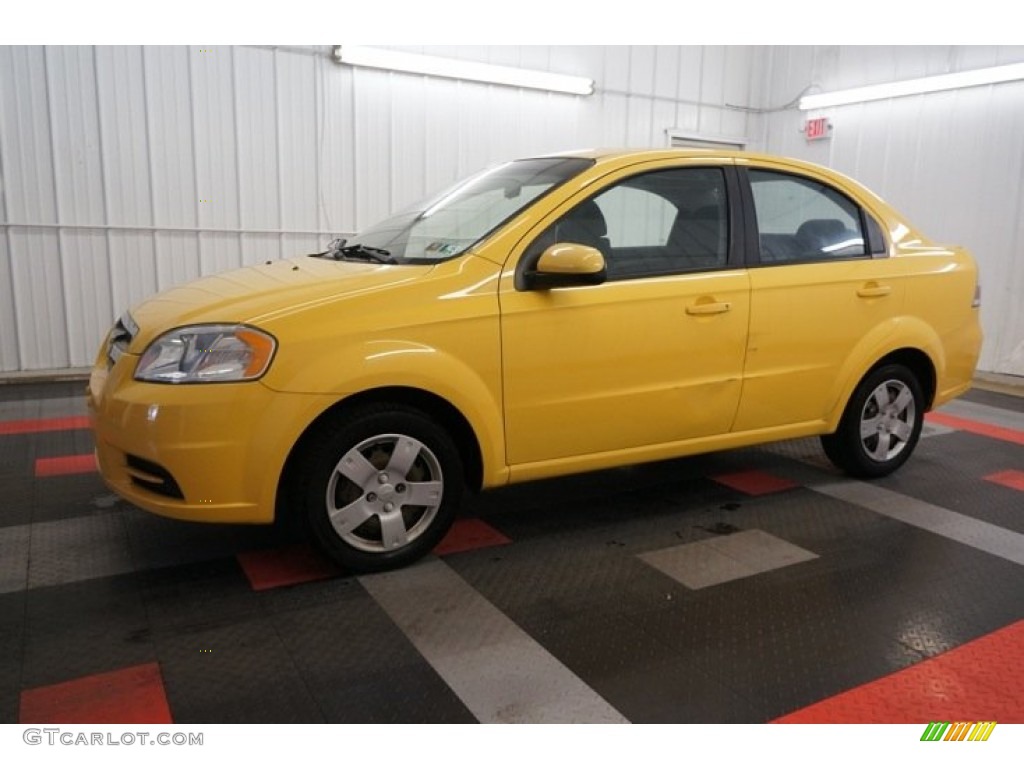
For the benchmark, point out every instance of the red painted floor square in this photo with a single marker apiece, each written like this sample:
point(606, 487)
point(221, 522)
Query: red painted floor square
point(977, 427)
point(29, 426)
point(130, 695)
point(271, 568)
point(979, 680)
point(1011, 478)
point(469, 534)
point(66, 465)
point(755, 482)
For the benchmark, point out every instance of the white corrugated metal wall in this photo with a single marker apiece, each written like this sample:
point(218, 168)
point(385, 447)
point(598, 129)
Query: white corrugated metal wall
point(126, 170)
point(952, 162)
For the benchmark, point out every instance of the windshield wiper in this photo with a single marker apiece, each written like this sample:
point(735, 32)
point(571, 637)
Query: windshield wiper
point(364, 252)
point(337, 250)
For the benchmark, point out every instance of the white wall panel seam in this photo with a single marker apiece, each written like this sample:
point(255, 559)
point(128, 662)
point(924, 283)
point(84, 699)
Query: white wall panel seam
point(195, 156)
point(4, 191)
point(280, 152)
point(148, 117)
point(102, 171)
point(239, 191)
point(317, 117)
point(355, 152)
point(700, 89)
point(11, 255)
point(56, 200)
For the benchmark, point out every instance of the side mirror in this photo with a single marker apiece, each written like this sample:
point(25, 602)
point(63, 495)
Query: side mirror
point(567, 264)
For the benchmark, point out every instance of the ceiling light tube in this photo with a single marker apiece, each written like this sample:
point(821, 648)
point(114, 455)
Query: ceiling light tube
point(459, 69)
point(966, 79)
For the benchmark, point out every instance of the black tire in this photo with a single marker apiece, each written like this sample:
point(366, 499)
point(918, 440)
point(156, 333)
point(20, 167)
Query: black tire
point(392, 455)
point(890, 405)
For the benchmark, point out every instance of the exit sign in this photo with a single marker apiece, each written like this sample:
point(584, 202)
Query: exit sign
point(817, 128)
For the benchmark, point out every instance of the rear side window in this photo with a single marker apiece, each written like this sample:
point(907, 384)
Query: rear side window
point(799, 219)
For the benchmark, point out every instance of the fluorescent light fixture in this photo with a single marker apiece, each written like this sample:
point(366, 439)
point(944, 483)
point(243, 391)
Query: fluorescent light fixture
point(948, 82)
point(458, 69)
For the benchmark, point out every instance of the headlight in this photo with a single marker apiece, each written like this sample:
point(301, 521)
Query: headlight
point(201, 353)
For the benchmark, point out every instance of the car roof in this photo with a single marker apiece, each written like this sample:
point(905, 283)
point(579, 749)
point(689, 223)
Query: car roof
point(667, 153)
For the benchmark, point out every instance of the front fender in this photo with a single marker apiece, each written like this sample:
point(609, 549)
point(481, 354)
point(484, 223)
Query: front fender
point(473, 390)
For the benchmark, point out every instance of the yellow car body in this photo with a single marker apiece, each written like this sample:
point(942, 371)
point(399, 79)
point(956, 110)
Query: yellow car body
point(533, 383)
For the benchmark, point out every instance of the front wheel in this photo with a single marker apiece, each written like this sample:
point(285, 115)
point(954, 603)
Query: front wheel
point(380, 486)
point(881, 424)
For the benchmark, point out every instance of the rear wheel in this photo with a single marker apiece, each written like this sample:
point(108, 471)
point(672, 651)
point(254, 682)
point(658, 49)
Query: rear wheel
point(881, 425)
point(380, 486)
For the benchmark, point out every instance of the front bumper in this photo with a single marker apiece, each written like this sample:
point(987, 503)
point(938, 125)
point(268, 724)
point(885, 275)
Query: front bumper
point(223, 445)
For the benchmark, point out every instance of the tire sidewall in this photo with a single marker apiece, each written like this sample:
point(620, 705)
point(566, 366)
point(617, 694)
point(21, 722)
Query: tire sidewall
point(862, 464)
point(339, 436)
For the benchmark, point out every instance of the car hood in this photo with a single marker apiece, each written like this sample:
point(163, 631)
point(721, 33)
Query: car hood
point(253, 294)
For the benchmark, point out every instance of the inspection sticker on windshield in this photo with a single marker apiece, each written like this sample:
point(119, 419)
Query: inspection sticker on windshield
point(441, 248)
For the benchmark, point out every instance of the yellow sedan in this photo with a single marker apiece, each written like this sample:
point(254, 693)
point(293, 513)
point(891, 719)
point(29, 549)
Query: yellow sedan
point(547, 316)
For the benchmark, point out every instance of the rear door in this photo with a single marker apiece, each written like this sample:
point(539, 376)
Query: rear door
point(821, 283)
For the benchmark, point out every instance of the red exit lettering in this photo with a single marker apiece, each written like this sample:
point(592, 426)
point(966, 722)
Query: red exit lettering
point(816, 129)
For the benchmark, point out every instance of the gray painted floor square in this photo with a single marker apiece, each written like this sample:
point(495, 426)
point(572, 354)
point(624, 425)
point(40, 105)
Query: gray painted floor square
point(76, 549)
point(930, 429)
point(13, 558)
point(714, 561)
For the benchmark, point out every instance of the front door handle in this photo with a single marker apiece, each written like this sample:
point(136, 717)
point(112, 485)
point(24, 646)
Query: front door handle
point(873, 290)
point(708, 308)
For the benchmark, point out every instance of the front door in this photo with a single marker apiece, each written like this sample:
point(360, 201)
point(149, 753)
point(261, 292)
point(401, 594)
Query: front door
point(652, 356)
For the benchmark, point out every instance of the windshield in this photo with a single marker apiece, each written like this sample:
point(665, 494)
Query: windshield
point(450, 223)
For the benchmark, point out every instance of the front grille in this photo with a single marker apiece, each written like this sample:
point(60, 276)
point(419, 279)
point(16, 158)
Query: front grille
point(153, 477)
point(120, 338)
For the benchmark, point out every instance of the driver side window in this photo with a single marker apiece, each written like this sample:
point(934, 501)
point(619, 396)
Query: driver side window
point(657, 223)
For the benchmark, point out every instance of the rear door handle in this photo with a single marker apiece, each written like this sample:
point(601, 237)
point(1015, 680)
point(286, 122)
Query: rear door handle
point(709, 308)
point(873, 290)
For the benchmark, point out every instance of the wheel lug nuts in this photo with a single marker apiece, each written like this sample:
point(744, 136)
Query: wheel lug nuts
point(400, 487)
point(388, 507)
point(382, 478)
point(371, 497)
